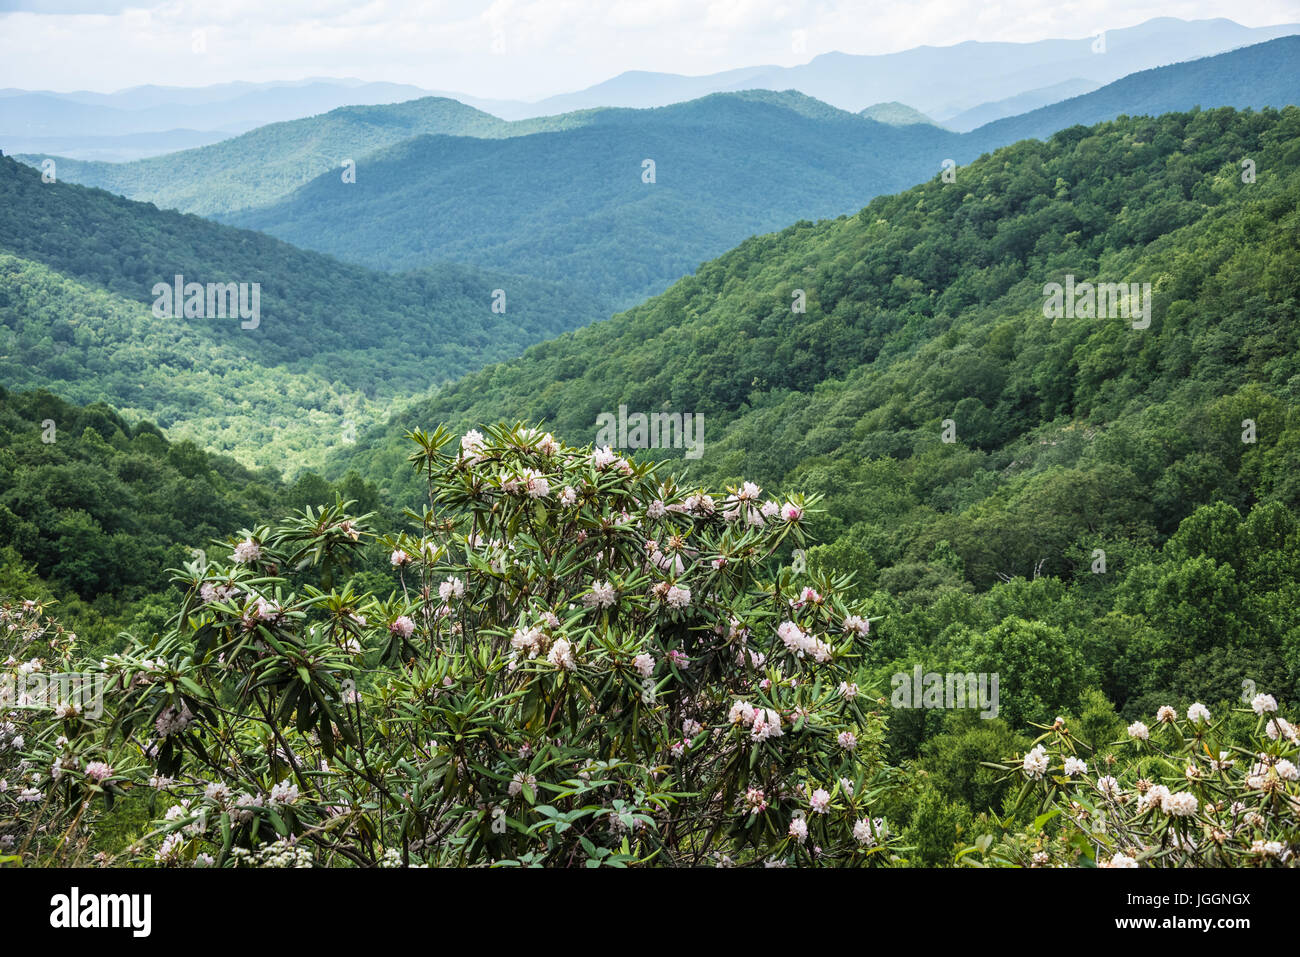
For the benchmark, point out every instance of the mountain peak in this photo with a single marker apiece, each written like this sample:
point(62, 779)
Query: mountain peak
point(894, 113)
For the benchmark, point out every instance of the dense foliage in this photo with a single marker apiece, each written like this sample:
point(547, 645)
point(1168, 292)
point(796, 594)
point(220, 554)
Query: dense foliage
point(93, 511)
point(77, 272)
point(1102, 516)
point(585, 663)
point(1184, 791)
point(572, 206)
point(266, 164)
point(1099, 532)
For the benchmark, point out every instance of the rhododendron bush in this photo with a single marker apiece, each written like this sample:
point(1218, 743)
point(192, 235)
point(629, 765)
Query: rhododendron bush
point(34, 645)
point(579, 661)
point(585, 663)
point(1180, 792)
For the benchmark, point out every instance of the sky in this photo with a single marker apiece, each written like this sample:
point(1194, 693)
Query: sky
point(517, 49)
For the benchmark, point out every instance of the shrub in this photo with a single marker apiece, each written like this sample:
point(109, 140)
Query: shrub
point(585, 664)
point(1184, 792)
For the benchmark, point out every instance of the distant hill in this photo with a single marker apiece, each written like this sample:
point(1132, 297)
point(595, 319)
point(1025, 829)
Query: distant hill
point(462, 200)
point(226, 107)
point(895, 114)
point(976, 117)
point(574, 206)
point(562, 197)
point(940, 81)
point(265, 164)
point(335, 345)
point(989, 72)
point(644, 89)
point(114, 149)
point(1266, 74)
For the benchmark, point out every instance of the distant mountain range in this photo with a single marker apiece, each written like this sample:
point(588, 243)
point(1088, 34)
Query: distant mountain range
point(1266, 74)
point(263, 165)
point(621, 205)
point(119, 149)
point(224, 107)
point(993, 79)
point(968, 120)
point(941, 82)
point(563, 198)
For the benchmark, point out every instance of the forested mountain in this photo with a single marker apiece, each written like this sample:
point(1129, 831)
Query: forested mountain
point(925, 316)
point(93, 510)
point(267, 163)
point(570, 204)
point(1098, 509)
point(579, 207)
point(332, 345)
point(1266, 74)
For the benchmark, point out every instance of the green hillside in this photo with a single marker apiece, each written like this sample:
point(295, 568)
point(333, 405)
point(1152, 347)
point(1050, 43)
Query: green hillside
point(1096, 509)
point(1071, 434)
point(1264, 74)
point(571, 206)
point(575, 206)
point(267, 163)
point(94, 511)
point(335, 344)
point(562, 198)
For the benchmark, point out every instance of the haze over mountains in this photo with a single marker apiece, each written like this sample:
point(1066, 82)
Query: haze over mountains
point(1266, 74)
point(564, 199)
point(997, 79)
point(970, 119)
point(147, 120)
point(264, 165)
point(560, 213)
point(939, 81)
point(575, 206)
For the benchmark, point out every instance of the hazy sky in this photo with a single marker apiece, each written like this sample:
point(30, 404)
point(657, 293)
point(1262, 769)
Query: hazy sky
point(521, 49)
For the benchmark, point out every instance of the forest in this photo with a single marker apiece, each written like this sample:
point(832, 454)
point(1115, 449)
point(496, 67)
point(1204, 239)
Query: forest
point(1073, 436)
point(469, 636)
point(79, 267)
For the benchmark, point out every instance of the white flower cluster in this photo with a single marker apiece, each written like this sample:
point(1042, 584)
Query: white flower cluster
point(246, 552)
point(800, 643)
point(172, 720)
point(286, 852)
point(1035, 762)
point(763, 723)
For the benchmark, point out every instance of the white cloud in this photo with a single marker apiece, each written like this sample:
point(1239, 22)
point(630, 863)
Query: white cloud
point(522, 49)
